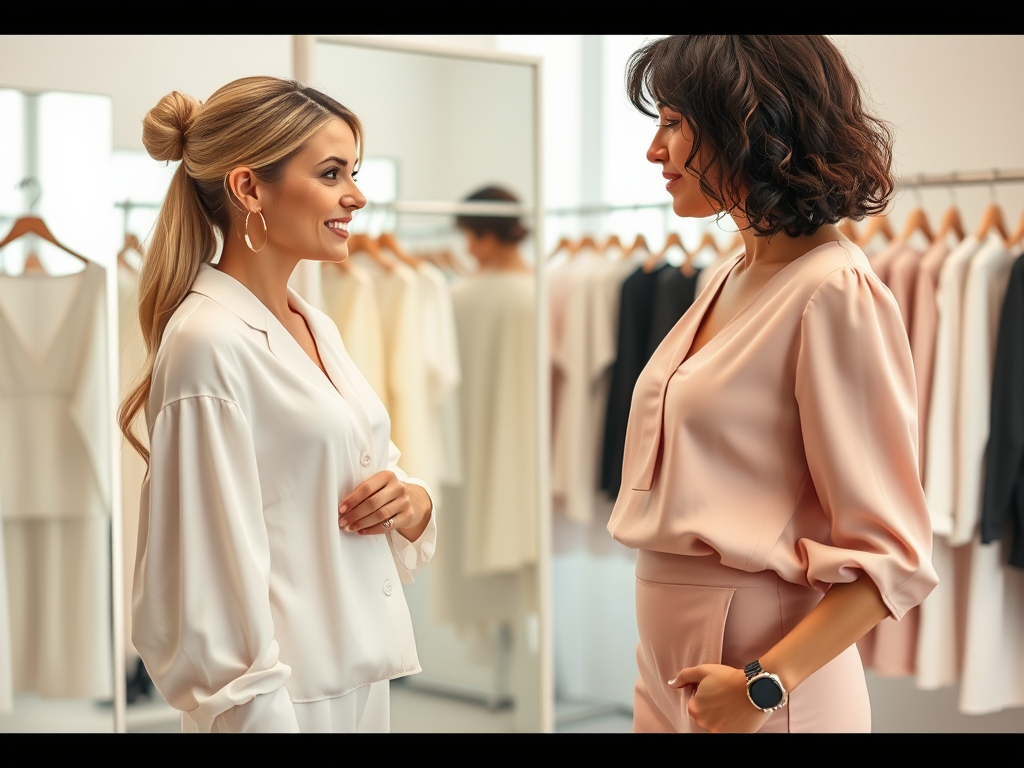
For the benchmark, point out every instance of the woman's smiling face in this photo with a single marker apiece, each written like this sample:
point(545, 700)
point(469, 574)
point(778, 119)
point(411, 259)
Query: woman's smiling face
point(311, 205)
point(670, 147)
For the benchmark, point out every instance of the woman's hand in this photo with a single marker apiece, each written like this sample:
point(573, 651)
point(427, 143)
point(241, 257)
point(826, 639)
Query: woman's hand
point(383, 503)
point(719, 702)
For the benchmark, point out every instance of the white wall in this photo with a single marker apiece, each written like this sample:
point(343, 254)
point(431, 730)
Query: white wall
point(137, 70)
point(956, 103)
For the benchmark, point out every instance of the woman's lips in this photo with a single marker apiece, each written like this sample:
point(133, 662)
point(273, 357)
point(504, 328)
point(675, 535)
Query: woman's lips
point(672, 179)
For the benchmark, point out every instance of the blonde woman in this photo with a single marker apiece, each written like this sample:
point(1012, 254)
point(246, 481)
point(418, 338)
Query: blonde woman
point(275, 524)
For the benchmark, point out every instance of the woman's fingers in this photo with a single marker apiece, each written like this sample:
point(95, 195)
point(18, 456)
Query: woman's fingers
point(369, 514)
point(364, 491)
point(688, 676)
point(396, 512)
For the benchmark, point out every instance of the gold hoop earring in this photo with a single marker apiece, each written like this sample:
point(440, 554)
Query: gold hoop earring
point(248, 242)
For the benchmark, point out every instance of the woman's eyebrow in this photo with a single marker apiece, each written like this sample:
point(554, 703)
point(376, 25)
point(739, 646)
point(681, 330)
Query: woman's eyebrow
point(335, 159)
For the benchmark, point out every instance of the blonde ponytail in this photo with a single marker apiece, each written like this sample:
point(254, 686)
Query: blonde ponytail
point(259, 122)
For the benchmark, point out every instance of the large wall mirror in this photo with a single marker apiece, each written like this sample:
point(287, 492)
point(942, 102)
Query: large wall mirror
point(459, 375)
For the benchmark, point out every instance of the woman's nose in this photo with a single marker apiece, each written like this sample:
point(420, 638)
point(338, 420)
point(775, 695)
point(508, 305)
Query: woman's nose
point(657, 152)
point(354, 199)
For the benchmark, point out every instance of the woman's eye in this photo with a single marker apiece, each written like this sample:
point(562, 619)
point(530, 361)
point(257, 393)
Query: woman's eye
point(331, 174)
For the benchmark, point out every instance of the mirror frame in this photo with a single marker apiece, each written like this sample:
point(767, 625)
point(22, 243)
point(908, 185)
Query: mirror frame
point(303, 52)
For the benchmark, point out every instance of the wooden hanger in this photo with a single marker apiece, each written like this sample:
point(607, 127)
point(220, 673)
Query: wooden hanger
point(389, 241)
point(877, 225)
point(917, 221)
point(672, 241)
point(587, 241)
point(359, 242)
point(640, 243)
point(950, 222)
point(612, 241)
point(707, 240)
point(564, 244)
point(33, 225)
point(992, 217)
point(1018, 234)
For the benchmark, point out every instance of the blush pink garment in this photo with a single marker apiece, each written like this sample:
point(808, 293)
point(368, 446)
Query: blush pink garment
point(902, 280)
point(694, 610)
point(788, 443)
point(922, 335)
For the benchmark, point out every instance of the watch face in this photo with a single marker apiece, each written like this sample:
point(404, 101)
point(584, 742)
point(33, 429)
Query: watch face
point(765, 693)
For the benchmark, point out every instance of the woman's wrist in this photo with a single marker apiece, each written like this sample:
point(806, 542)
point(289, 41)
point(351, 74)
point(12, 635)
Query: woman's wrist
point(422, 509)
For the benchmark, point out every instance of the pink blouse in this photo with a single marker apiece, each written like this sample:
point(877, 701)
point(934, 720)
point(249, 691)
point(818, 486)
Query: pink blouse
point(789, 441)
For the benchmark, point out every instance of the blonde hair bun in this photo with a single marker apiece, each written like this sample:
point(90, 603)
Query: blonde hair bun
point(164, 126)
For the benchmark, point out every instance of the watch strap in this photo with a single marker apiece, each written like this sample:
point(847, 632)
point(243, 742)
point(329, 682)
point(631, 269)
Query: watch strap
point(752, 669)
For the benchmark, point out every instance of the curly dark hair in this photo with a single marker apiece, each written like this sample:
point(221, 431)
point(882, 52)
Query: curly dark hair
point(781, 124)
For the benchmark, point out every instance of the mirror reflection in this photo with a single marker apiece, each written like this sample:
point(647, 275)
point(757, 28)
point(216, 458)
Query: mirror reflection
point(452, 288)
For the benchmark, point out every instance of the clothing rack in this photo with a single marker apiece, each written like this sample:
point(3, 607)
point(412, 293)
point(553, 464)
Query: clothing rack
point(956, 178)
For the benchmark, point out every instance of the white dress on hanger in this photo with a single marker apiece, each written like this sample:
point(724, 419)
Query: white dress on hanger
point(253, 611)
point(55, 477)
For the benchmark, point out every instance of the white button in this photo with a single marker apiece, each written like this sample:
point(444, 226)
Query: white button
point(388, 589)
point(365, 459)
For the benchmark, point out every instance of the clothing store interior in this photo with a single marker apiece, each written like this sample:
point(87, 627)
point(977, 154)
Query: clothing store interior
point(508, 392)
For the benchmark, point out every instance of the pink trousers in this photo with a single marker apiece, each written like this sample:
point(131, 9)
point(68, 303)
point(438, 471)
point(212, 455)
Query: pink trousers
point(694, 610)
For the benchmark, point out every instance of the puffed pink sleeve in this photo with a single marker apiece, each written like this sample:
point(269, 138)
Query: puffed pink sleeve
point(857, 396)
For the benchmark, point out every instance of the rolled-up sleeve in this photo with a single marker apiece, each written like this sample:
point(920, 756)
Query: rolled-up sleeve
point(856, 393)
point(409, 556)
point(201, 613)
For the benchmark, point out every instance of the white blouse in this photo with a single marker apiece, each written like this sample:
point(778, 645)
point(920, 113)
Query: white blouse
point(249, 601)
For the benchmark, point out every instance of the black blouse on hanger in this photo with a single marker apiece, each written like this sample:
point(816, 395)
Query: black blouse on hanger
point(1003, 501)
point(635, 313)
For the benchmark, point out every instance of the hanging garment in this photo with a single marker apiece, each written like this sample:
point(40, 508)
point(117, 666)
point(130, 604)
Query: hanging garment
point(55, 454)
point(674, 293)
point(250, 605)
point(441, 357)
point(756, 455)
point(398, 297)
point(1002, 514)
point(132, 359)
point(350, 300)
point(567, 347)
point(495, 317)
point(993, 658)
point(902, 282)
point(993, 668)
point(636, 303)
point(940, 471)
point(922, 336)
point(984, 291)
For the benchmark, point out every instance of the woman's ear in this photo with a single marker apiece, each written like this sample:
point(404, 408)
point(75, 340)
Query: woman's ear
point(244, 187)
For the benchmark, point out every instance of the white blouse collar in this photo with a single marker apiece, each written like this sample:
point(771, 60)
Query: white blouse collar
point(240, 301)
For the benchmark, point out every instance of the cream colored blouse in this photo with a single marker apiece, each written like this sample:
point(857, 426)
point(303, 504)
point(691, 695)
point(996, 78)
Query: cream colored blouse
point(249, 601)
point(789, 441)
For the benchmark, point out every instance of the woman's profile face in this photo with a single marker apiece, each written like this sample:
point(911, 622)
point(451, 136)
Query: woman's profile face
point(671, 146)
point(311, 205)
